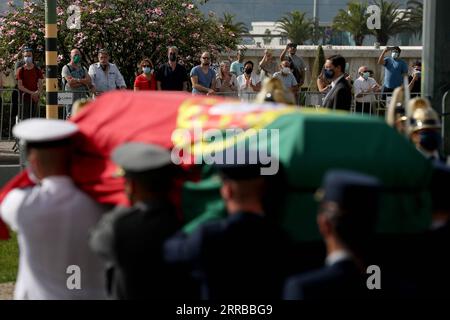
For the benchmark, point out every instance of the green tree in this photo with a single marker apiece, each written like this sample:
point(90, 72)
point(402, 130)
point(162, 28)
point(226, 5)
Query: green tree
point(393, 21)
point(130, 30)
point(228, 22)
point(353, 20)
point(317, 68)
point(296, 26)
point(415, 8)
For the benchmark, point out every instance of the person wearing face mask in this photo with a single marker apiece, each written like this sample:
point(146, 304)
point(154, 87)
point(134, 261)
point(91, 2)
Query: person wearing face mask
point(340, 94)
point(248, 82)
point(364, 87)
point(286, 76)
point(76, 79)
point(203, 78)
point(147, 79)
point(172, 76)
point(52, 218)
point(105, 75)
point(425, 129)
point(415, 79)
point(394, 69)
point(30, 84)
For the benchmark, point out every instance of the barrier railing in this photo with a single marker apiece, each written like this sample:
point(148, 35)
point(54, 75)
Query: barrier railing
point(16, 106)
point(31, 107)
point(9, 106)
point(373, 104)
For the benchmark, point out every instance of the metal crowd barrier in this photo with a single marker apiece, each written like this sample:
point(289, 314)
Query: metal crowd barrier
point(30, 108)
point(375, 104)
point(16, 106)
point(9, 106)
point(243, 96)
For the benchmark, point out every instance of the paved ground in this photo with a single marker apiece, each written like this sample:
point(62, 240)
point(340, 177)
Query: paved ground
point(7, 155)
point(6, 291)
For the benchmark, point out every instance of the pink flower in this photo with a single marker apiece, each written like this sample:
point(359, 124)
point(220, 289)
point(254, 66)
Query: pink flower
point(190, 6)
point(158, 11)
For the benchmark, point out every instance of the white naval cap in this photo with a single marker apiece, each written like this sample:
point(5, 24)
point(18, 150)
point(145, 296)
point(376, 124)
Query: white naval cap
point(44, 130)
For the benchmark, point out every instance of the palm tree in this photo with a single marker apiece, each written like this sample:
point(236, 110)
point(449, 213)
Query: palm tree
point(393, 21)
point(296, 26)
point(353, 20)
point(230, 25)
point(415, 7)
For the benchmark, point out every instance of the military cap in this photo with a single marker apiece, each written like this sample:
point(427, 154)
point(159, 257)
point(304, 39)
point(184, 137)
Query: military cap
point(44, 132)
point(240, 164)
point(351, 191)
point(137, 157)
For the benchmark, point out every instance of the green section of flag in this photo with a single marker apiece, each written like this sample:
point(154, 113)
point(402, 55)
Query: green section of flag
point(312, 144)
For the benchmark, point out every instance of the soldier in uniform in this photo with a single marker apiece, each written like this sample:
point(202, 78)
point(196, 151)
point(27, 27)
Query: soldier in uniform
point(243, 256)
point(53, 219)
point(435, 264)
point(346, 220)
point(130, 239)
point(425, 129)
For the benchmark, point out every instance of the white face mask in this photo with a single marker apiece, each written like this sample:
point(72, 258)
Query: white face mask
point(394, 55)
point(286, 70)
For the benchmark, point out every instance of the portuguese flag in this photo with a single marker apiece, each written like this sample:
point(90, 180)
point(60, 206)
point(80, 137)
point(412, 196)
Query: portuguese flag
point(306, 142)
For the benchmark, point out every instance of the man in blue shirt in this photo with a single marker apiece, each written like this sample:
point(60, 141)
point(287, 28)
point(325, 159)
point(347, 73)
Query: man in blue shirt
point(203, 78)
point(395, 69)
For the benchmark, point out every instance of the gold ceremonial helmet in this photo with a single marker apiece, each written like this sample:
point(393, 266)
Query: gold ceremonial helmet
point(423, 115)
point(273, 90)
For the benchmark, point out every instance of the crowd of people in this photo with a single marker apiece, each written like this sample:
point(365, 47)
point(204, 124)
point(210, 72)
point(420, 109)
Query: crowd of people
point(227, 78)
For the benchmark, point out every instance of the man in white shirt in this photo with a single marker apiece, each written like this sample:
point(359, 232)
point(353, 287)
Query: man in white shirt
point(364, 88)
point(53, 220)
point(286, 76)
point(248, 82)
point(105, 75)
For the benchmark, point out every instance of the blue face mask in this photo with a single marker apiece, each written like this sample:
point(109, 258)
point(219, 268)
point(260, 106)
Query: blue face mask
point(329, 74)
point(147, 70)
point(28, 60)
point(430, 140)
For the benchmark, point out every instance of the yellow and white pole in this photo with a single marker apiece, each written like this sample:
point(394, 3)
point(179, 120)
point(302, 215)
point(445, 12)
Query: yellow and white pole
point(51, 59)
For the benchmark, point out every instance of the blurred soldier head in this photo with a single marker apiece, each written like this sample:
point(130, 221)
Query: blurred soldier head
point(424, 126)
point(348, 209)
point(48, 145)
point(148, 171)
point(273, 90)
point(243, 186)
point(396, 115)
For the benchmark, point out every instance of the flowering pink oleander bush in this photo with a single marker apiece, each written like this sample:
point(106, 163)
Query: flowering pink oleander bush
point(130, 30)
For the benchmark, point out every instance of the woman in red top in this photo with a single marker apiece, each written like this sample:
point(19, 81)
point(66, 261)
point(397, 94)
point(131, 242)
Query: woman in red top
point(147, 79)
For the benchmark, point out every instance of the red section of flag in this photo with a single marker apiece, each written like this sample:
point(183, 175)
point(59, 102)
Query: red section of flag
point(112, 120)
point(20, 181)
point(109, 121)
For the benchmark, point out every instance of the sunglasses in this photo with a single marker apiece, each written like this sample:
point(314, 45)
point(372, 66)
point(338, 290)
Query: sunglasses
point(146, 66)
point(206, 58)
